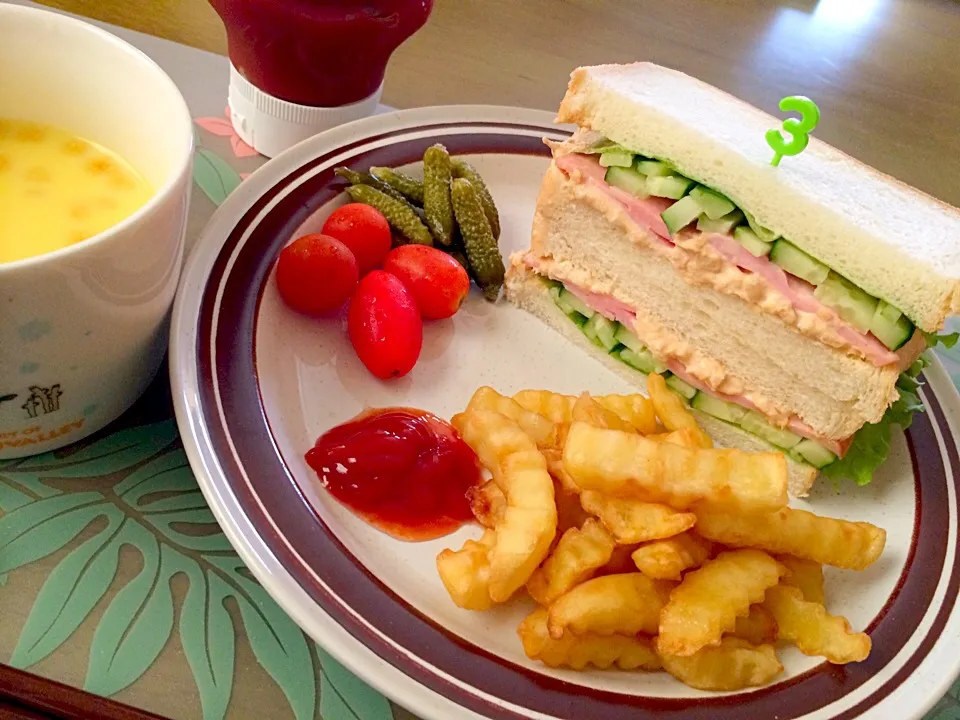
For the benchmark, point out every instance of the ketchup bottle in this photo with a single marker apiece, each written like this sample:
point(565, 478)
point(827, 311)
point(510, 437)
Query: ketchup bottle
point(301, 66)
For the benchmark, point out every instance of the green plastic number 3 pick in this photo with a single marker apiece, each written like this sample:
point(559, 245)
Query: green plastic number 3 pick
point(799, 130)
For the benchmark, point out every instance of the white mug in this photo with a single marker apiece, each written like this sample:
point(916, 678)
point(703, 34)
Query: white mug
point(83, 330)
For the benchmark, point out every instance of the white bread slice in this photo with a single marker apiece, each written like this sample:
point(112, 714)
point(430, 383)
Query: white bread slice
point(527, 290)
point(895, 242)
point(581, 236)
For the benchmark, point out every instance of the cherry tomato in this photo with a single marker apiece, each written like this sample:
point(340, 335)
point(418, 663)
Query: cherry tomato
point(316, 274)
point(438, 282)
point(384, 325)
point(364, 230)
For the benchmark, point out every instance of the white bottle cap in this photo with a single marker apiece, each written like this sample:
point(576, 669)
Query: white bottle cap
point(271, 125)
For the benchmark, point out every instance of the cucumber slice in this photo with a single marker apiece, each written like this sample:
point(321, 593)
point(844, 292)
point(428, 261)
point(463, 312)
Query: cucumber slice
point(642, 361)
point(578, 319)
point(851, 303)
point(762, 232)
point(681, 388)
point(627, 179)
point(668, 186)
point(731, 412)
point(713, 204)
point(574, 303)
point(890, 326)
point(753, 244)
point(605, 330)
point(564, 306)
point(590, 330)
point(625, 337)
point(654, 168)
point(555, 292)
point(814, 453)
point(683, 212)
point(722, 225)
point(754, 422)
point(616, 157)
point(796, 262)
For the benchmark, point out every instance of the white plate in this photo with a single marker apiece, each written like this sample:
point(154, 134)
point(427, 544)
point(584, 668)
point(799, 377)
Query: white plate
point(255, 384)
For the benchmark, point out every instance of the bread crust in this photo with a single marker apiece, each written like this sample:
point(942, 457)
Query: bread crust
point(910, 255)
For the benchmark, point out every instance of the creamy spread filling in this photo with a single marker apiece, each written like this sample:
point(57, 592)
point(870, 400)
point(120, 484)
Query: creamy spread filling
point(720, 261)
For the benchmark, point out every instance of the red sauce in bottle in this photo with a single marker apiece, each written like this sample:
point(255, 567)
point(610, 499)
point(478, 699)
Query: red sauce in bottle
point(317, 52)
point(403, 470)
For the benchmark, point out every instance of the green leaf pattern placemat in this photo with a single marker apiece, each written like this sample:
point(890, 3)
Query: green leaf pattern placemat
point(115, 577)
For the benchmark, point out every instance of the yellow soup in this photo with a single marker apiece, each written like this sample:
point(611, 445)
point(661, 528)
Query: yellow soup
point(57, 189)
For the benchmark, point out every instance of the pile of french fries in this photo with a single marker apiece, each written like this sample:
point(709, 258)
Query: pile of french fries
point(644, 546)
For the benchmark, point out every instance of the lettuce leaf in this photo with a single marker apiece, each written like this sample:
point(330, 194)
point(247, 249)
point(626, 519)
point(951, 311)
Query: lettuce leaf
point(948, 340)
point(871, 444)
point(870, 448)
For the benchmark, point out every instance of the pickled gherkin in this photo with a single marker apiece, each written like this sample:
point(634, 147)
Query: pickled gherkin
point(480, 247)
point(410, 188)
point(460, 258)
point(463, 169)
point(399, 213)
point(362, 178)
point(436, 193)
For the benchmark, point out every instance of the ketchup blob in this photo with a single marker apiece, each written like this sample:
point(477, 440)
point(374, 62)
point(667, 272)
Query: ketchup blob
point(402, 470)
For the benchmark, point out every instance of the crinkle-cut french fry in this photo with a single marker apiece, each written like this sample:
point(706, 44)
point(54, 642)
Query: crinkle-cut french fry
point(671, 410)
point(634, 409)
point(706, 604)
point(626, 652)
point(734, 664)
point(554, 406)
point(545, 433)
point(587, 409)
point(757, 628)
point(805, 575)
point(812, 629)
point(487, 503)
point(829, 541)
point(554, 460)
point(628, 465)
point(668, 559)
point(578, 555)
point(684, 437)
point(466, 572)
point(529, 524)
point(634, 521)
point(624, 604)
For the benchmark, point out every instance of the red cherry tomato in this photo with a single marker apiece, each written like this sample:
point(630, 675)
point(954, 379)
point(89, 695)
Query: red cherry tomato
point(438, 282)
point(364, 230)
point(316, 274)
point(385, 326)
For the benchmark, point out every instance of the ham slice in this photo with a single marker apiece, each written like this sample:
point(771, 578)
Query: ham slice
point(646, 213)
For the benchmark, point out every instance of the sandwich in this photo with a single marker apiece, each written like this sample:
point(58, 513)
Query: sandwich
point(789, 305)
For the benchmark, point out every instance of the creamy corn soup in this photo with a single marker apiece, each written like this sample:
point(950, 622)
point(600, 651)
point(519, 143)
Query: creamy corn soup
point(57, 189)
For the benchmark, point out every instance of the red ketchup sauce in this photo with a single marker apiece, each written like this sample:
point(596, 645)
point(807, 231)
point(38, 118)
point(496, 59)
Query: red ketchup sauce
point(402, 470)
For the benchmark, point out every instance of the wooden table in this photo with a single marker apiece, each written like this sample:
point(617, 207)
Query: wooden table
point(886, 73)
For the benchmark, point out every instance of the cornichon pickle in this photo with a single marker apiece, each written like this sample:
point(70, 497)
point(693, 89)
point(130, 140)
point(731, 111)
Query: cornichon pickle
point(460, 258)
point(436, 193)
point(410, 188)
point(463, 169)
point(362, 178)
point(478, 242)
point(398, 213)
